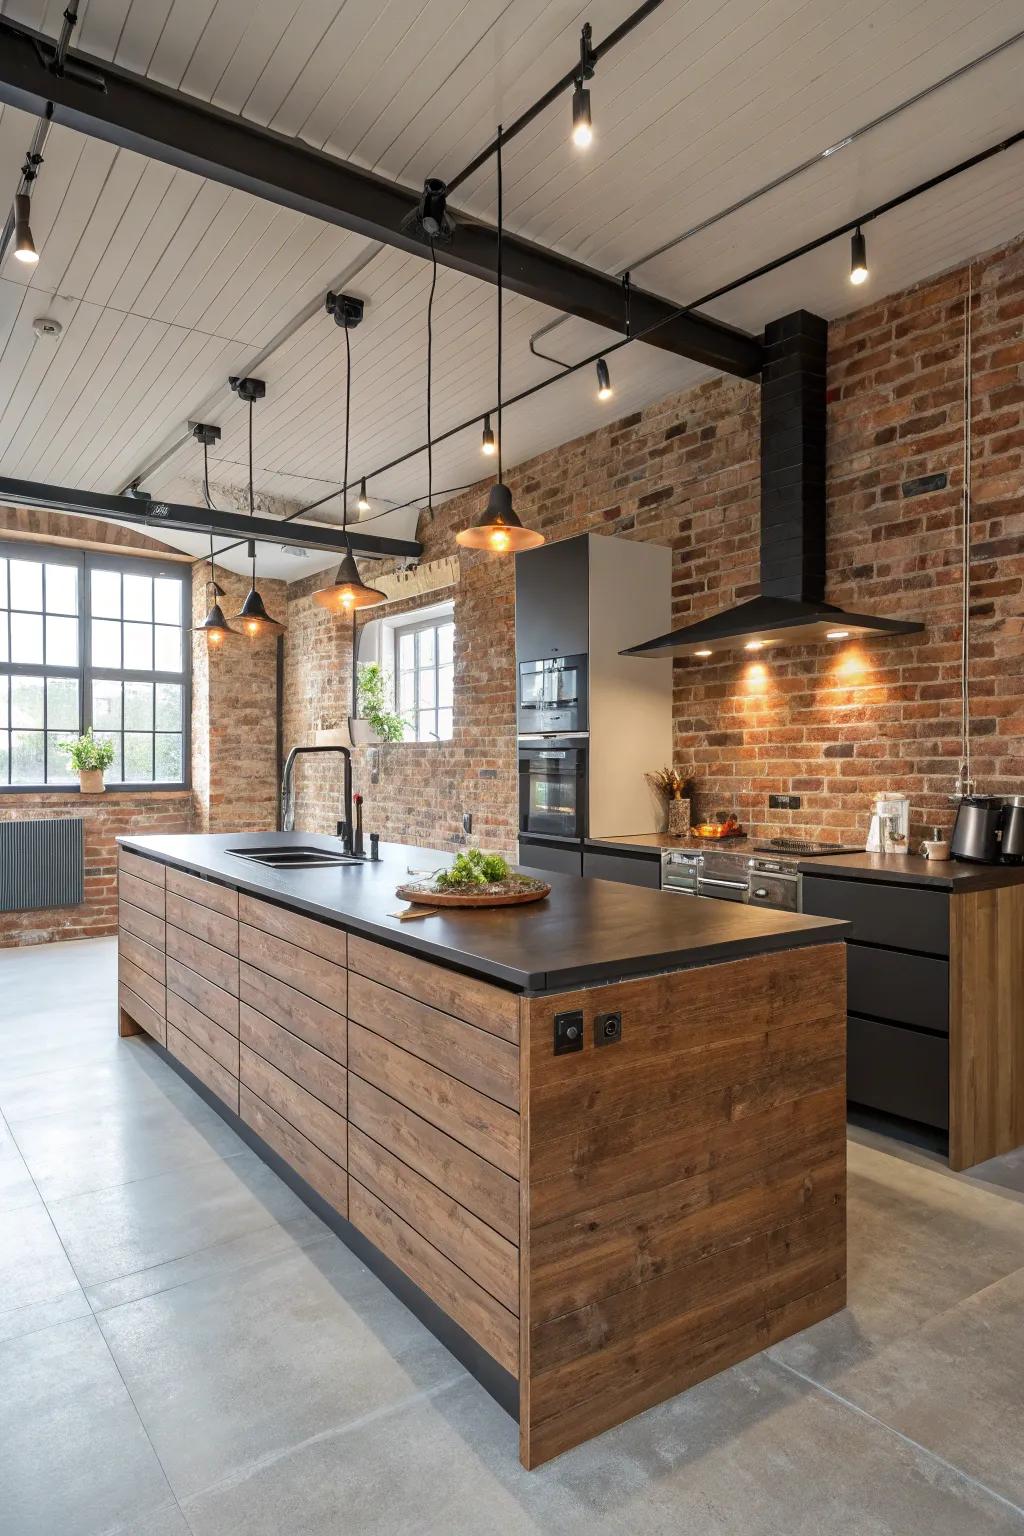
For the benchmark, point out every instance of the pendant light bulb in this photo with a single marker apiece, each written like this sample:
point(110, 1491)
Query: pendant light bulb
point(24, 245)
point(582, 126)
point(604, 381)
point(858, 258)
point(487, 443)
point(363, 503)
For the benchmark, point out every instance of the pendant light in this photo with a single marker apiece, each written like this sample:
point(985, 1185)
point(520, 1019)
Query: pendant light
point(858, 258)
point(24, 245)
point(253, 616)
point(363, 504)
point(498, 528)
point(487, 446)
point(582, 122)
point(215, 626)
point(348, 590)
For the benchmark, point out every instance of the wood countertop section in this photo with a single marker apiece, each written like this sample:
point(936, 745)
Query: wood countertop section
point(586, 931)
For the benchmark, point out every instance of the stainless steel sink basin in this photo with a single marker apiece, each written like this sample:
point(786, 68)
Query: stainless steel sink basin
point(293, 857)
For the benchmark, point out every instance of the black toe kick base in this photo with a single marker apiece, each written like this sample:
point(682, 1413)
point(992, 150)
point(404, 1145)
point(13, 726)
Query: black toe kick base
point(494, 1379)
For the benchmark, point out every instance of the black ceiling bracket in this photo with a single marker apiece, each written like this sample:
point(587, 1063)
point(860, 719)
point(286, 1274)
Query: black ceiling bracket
point(204, 433)
point(247, 389)
point(346, 309)
point(588, 58)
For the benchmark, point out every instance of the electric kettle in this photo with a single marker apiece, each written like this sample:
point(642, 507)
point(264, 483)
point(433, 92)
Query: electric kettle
point(977, 830)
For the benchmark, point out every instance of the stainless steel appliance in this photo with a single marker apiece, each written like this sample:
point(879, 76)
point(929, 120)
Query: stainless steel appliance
point(552, 696)
point(553, 788)
point(977, 829)
point(759, 874)
point(1011, 849)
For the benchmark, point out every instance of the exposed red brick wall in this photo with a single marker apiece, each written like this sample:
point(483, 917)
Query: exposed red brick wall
point(835, 725)
point(107, 816)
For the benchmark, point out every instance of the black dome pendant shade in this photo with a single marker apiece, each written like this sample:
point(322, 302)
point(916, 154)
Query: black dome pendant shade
point(348, 590)
point(215, 626)
point(253, 616)
point(498, 528)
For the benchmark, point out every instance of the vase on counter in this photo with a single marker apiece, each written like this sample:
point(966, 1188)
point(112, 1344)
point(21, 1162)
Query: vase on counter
point(678, 817)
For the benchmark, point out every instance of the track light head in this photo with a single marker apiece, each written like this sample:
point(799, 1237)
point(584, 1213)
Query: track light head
point(604, 381)
point(858, 258)
point(363, 503)
point(582, 125)
point(487, 444)
point(24, 246)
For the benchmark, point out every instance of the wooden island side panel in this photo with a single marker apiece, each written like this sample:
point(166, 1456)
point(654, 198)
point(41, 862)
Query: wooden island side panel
point(683, 1190)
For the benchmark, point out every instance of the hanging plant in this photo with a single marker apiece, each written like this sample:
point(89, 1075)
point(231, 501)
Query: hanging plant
point(373, 695)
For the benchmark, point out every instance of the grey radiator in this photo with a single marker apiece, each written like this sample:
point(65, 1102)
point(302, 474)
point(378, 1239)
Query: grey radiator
point(41, 864)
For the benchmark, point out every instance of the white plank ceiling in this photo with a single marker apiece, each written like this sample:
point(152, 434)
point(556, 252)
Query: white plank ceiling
point(165, 284)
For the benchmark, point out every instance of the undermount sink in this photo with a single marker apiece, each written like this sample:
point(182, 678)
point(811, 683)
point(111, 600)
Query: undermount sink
point(293, 857)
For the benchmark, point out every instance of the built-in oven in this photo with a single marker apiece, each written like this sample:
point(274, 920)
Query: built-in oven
point(553, 788)
point(552, 696)
point(723, 876)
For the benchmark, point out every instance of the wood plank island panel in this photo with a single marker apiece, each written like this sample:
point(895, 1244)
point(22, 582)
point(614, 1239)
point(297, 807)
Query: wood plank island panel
point(986, 1024)
point(307, 932)
point(325, 1127)
point(304, 1064)
point(312, 1021)
point(135, 1014)
point(217, 1078)
point(142, 923)
point(321, 1172)
point(206, 996)
point(297, 967)
point(219, 1043)
point(141, 983)
point(684, 1189)
point(478, 1002)
point(215, 928)
point(221, 898)
point(205, 959)
point(148, 957)
point(150, 870)
point(140, 893)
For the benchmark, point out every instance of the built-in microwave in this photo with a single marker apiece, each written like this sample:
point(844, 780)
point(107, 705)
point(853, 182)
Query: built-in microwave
point(553, 789)
point(552, 695)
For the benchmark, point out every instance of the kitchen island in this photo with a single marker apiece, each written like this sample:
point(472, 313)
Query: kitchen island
point(597, 1143)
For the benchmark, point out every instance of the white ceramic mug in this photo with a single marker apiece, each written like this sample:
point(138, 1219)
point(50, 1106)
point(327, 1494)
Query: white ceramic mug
point(937, 849)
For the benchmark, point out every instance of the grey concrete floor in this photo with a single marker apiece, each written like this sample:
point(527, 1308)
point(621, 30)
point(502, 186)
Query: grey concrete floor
point(185, 1348)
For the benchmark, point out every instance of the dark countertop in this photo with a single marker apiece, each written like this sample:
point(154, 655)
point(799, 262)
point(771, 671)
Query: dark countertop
point(586, 930)
point(911, 869)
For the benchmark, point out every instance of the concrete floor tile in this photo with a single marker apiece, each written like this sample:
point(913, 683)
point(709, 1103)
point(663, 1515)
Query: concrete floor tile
point(76, 1460)
point(44, 1314)
point(110, 1080)
point(753, 1451)
point(70, 1152)
point(114, 1232)
point(299, 1231)
point(233, 1369)
point(16, 1184)
point(34, 1267)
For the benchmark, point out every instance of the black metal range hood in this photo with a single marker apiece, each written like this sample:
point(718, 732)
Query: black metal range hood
point(791, 609)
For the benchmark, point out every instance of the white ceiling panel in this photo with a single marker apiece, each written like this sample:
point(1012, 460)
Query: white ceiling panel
point(165, 283)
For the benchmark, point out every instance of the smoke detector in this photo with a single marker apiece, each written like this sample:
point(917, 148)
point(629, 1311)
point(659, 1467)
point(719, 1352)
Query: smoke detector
point(297, 551)
point(46, 328)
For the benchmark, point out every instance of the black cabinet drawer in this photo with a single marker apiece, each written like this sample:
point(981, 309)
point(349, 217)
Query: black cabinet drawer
point(558, 858)
point(898, 1071)
point(629, 870)
point(901, 915)
point(909, 989)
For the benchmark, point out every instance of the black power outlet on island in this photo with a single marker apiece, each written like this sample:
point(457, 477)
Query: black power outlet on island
point(607, 1028)
point(568, 1032)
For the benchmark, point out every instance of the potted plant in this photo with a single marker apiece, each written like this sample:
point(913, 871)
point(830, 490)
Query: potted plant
point(90, 757)
point(373, 694)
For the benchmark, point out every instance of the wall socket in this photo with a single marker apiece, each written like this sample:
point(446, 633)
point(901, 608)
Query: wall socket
point(568, 1032)
point(607, 1028)
point(783, 802)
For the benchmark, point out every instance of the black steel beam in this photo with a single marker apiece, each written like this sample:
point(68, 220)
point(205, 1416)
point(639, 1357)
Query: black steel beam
point(106, 102)
point(155, 515)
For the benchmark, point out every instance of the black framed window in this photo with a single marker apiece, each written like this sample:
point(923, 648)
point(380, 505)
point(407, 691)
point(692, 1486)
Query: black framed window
point(93, 640)
point(425, 675)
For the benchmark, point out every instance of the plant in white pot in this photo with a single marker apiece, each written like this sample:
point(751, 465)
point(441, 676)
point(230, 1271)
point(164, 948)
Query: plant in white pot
point(376, 721)
point(89, 758)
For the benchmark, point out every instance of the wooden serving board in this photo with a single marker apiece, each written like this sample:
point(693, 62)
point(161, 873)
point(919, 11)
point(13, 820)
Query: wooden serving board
point(428, 898)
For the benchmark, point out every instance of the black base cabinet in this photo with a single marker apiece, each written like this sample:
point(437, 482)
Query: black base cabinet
point(627, 868)
point(555, 858)
point(897, 994)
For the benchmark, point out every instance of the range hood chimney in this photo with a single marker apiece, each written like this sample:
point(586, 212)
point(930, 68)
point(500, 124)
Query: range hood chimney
point(791, 609)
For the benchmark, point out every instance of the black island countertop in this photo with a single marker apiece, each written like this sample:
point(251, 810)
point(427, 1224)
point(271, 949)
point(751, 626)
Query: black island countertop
point(585, 931)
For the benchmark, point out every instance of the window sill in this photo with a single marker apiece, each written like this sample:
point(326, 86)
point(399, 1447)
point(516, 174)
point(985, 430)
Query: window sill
point(116, 790)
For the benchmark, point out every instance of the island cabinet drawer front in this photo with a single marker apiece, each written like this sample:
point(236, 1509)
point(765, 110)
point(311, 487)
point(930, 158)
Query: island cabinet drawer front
point(206, 892)
point(141, 923)
point(300, 968)
point(904, 917)
point(466, 997)
point(472, 1055)
point(142, 984)
point(910, 989)
point(473, 1182)
point(480, 1123)
point(203, 958)
point(146, 1017)
point(149, 897)
point(487, 1257)
point(129, 863)
point(146, 956)
point(320, 1172)
point(312, 1021)
point(203, 923)
point(206, 996)
point(215, 1041)
point(307, 932)
point(493, 1326)
point(217, 1078)
point(320, 1124)
point(900, 1071)
point(303, 1063)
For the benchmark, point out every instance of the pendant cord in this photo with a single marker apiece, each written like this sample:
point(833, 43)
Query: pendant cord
point(252, 502)
point(966, 784)
point(430, 377)
point(501, 230)
point(213, 569)
point(348, 409)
